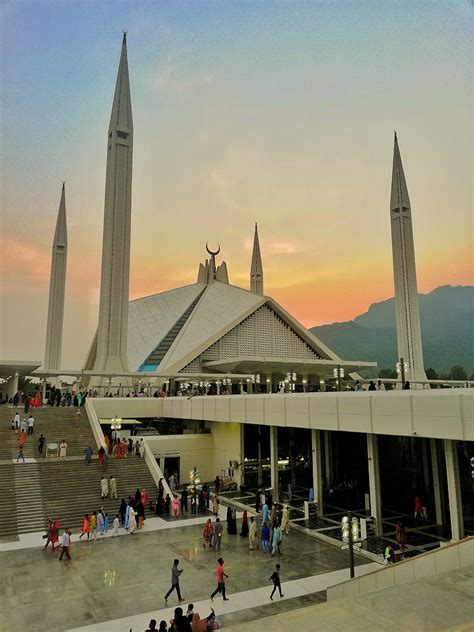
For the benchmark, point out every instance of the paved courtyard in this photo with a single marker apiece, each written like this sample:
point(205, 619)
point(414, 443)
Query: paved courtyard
point(127, 577)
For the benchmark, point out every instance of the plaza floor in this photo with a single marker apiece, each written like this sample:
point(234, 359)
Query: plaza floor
point(119, 583)
point(422, 535)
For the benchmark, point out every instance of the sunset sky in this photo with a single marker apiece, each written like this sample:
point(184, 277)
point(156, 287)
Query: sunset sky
point(276, 112)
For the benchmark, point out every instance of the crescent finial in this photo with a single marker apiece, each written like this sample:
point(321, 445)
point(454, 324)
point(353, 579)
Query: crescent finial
point(211, 252)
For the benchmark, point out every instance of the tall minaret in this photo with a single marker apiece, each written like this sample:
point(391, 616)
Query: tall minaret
point(57, 287)
point(256, 267)
point(114, 282)
point(404, 274)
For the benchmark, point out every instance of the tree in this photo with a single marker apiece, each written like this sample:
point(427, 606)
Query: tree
point(457, 373)
point(431, 374)
point(388, 374)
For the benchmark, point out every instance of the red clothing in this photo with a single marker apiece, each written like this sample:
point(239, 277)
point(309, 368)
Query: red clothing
point(220, 573)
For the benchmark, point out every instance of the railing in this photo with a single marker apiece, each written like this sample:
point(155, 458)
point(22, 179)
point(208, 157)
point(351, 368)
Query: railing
point(150, 460)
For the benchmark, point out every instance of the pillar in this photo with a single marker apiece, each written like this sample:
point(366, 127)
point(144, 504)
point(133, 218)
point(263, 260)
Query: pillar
point(374, 481)
point(259, 448)
point(274, 462)
point(454, 489)
point(317, 469)
point(12, 386)
point(436, 482)
point(328, 458)
point(43, 391)
point(426, 469)
point(242, 456)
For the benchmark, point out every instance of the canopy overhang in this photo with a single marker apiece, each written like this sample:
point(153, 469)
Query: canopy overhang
point(254, 365)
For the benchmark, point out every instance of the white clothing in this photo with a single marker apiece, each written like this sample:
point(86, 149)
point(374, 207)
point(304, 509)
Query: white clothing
point(172, 483)
point(104, 487)
point(380, 387)
point(31, 422)
point(62, 450)
point(113, 487)
point(116, 526)
point(141, 449)
point(16, 420)
point(132, 523)
point(23, 425)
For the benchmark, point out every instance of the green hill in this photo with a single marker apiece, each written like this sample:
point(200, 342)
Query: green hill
point(446, 325)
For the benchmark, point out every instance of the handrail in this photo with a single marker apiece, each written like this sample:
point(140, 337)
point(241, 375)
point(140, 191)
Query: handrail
point(150, 460)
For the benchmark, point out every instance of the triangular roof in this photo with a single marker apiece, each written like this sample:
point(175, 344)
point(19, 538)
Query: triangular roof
point(150, 318)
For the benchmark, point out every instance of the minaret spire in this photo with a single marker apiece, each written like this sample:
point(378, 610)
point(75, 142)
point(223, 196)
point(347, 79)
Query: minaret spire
point(115, 274)
point(256, 267)
point(57, 287)
point(404, 273)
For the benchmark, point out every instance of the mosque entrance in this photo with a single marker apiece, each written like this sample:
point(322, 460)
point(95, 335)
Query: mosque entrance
point(171, 466)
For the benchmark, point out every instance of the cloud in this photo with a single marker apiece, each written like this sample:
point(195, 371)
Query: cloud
point(177, 76)
point(23, 263)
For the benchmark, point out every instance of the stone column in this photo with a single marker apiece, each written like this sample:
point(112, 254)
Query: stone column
point(328, 458)
point(242, 455)
point(426, 470)
point(436, 483)
point(374, 481)
point(454, 489)
point(274, 462)
point(12, 386)
point(43, 391)
point(317, 469)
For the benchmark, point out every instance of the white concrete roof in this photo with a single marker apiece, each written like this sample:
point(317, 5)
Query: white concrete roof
point(150, 318)
point(220, 308)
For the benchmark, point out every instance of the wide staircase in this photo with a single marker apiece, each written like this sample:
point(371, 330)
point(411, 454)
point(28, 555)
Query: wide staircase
point(65, 490)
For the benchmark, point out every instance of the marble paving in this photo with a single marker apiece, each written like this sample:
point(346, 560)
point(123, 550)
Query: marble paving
point(117, 578)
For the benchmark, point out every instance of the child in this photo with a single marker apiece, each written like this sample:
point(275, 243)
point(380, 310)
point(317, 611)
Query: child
point(106, 522)
point(85, 527)
point(275, 577)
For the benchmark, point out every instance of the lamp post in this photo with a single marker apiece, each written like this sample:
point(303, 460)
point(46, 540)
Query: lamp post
point(350, 536)
point(402, 368)
point(115, 425)
point(338, 373)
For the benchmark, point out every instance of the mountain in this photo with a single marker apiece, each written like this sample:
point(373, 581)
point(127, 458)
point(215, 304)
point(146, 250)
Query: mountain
point(446, 326)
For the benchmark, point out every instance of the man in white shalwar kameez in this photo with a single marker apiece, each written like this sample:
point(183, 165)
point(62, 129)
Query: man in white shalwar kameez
point(104, 487)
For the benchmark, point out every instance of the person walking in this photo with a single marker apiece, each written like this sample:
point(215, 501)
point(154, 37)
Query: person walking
point(104, 487)
point(31, 424)
point(113, 486)
point(88, 455)
point(218, 531)
point(21, 439)
point(20, 455)
point(85, 527)
point(100, 524)
point(62, 449)
point(66, 543)
point(285, 520)
point(41, 442)
point(275, 578)
point(93, 525)
point(252, 533)
point(132, 521)
point(265, 538)
point(16, 421)
point(175, 576)
point(276, 540)
point(265, 513)
point(116, 525)
point(220, 576)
